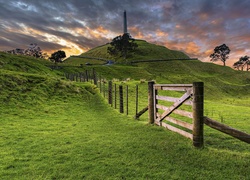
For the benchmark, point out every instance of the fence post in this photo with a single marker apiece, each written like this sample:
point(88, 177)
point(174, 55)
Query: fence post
point(198, 110)
point(121, 99)
point(87, 76)
point(100, 84)
point(151, 115)
point(110, 93)
point(80, 77)
point(76, 77)
point(104, 88)
point(127, 99)
point(136, 100)
point(115, 96)
point(94, 77)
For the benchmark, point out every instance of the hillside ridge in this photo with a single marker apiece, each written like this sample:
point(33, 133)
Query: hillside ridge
point(146, 51)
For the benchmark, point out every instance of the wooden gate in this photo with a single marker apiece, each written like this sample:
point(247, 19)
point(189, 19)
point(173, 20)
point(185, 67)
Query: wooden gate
point(182, 113)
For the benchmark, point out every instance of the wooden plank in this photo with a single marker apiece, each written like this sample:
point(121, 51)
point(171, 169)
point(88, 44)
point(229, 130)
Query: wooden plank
point(174, 106)
point(183, 113)
point(180, 123)
point(177, 88)
point(166, 98)
point(141, 112)
point(174, 129)
point(162, 107)
point(227, 130)
point(173, 85)
point(172, 99)
point(155, 103)
point(176, 111)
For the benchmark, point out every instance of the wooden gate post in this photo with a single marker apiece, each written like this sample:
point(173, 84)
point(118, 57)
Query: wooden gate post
point(110, 99)
point(151, 115)
point(121, 99)
point(198, 110)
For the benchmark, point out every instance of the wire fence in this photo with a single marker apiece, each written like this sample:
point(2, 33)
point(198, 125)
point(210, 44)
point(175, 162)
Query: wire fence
point(132, 99)
point(128, 97)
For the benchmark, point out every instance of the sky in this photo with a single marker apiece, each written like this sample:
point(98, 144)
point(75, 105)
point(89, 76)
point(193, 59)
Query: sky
point(195, 27)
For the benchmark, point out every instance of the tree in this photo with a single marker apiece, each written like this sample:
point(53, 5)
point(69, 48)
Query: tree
point(122, 45)
point(220, 53)
point(34, 50)
point(242, 62)
point(237, 65)
point(57, 56)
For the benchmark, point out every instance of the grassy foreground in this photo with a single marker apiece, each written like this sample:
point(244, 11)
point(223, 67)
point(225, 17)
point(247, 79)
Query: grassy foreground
point(71, 133)
point(51, 128)
point(80, 137)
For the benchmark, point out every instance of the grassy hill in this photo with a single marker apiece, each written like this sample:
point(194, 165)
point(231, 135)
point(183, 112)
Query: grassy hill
point(51, 128)
point(145, 51)
point(219, 81)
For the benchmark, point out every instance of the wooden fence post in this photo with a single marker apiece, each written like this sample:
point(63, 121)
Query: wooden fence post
point(136, 100)
point(87, 76)
point(110, 100)
point(121, 99)
point(127, 99)
point(151, 115)
point(94, 77)
point(198, 110)
point(100, 84)
point(115, 96)
point(104, 88)
point(76, 77)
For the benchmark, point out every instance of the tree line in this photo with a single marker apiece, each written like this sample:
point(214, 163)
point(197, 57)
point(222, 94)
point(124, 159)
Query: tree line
point(35, 51)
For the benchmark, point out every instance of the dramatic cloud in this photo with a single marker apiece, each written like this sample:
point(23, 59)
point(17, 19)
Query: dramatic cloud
point(193, 26)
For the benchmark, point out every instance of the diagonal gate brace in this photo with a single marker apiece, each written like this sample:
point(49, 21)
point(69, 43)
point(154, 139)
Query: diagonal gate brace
point(177, 104)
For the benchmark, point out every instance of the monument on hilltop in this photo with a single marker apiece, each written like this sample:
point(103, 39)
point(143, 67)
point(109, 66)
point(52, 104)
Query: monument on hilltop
point(125, 30)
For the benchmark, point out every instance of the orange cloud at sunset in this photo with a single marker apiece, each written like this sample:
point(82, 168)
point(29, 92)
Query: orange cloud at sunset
point(136, 32)
point(192, 48)
point(160, 33)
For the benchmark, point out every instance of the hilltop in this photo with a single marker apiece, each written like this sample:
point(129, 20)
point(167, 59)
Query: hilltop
point(145, 51)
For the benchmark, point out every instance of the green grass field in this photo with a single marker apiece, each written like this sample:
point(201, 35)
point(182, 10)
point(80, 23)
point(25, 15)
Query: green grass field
point(51, 128)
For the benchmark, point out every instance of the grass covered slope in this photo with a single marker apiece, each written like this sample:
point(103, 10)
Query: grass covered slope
point(23, 63)
point(51, 128)
point(220, 82)
point(145, 51)
point(64, 130)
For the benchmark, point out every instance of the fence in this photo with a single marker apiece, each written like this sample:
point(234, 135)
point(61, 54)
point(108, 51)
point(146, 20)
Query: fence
point(189, 123)
point(87, 76)
point(116, 93)
point(195, 92)
point(227, 130)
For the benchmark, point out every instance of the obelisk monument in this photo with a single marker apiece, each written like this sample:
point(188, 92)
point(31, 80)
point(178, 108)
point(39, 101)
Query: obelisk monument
point(125, 30)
